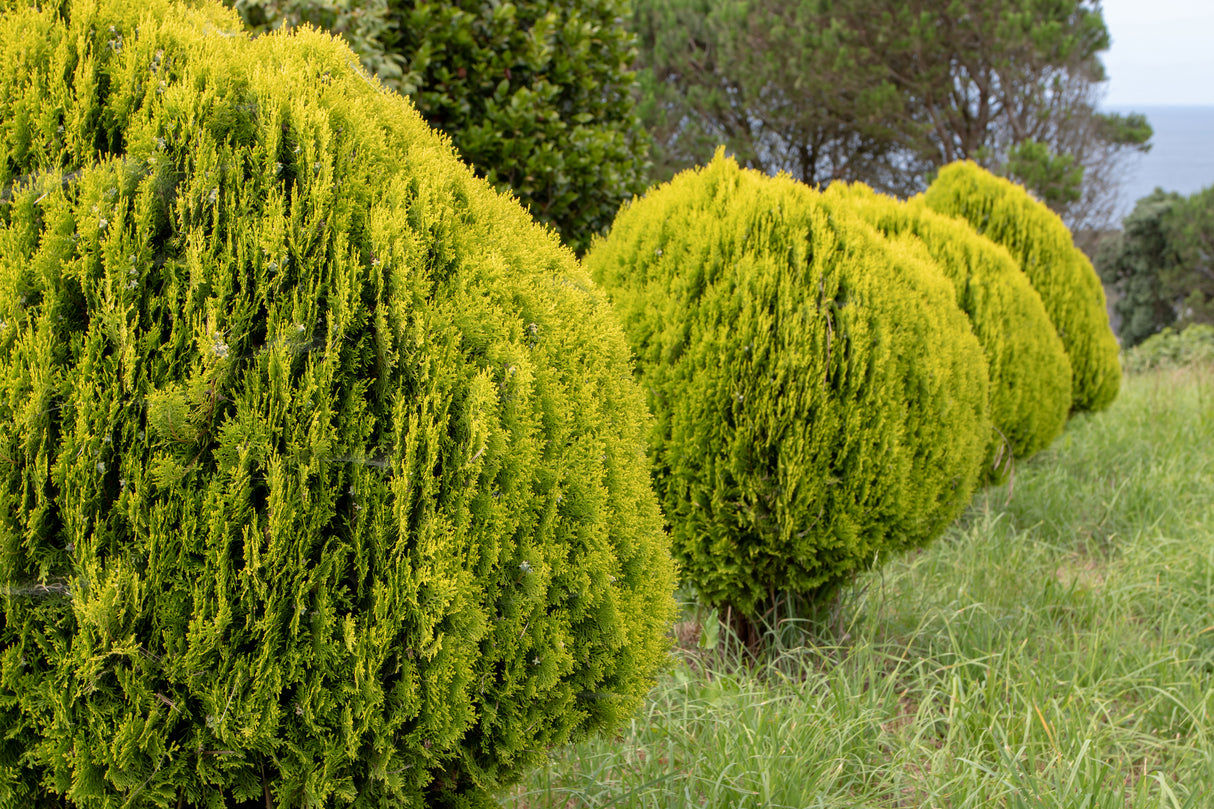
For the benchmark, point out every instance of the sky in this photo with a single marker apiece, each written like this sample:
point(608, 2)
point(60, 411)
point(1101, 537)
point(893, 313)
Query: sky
point(1162, 54)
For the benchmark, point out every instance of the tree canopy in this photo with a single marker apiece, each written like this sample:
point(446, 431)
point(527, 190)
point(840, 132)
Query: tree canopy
point(885, 91)
point(1131, 263)
point(1161, 264)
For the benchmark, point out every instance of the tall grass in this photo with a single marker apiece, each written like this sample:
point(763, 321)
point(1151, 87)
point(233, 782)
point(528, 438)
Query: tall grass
point(1054, 649)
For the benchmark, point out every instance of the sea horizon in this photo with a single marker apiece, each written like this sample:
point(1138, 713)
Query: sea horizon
point(1181, 158)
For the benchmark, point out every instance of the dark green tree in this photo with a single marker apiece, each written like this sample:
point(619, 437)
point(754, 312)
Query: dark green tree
point(1061, 273)
point(1189, 229)
point(537, 96)
point(783, 85)
point(1134, 263)
point(886, 91)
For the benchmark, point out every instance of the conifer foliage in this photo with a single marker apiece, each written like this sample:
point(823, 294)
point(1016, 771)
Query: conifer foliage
point(536, 95)
point(1060, 272)
point(821, 401)
point(322, 472)
point(1029, 371)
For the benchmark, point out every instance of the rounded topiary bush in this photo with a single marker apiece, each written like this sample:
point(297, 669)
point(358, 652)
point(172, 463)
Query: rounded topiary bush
point(1060, 272)
point(322, 470)
point(1030, 374)
point(820, 399)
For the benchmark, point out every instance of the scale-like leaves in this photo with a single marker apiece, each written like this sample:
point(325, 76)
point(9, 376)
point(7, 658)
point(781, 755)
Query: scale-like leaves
point(323, 475)
point(821, 401)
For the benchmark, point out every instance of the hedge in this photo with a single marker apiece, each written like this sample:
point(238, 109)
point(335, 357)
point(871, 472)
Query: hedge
point(1029, 370)
point(1060, 272)
point(821, 401)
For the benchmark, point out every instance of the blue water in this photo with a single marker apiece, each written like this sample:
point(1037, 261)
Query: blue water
point(1181, 157)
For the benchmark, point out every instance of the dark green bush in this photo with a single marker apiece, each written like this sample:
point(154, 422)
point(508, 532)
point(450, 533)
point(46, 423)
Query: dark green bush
point(1162, 264)
point(821, 401)
point(536, 95)
point(1189, 280)
point(1030, 373)
point(322, 471)
point(1133, 263)
point(1060, 272)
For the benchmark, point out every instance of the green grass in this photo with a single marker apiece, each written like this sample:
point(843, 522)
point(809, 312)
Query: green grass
point(1054, 649)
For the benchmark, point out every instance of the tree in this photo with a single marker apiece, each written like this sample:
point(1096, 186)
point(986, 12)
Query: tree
point(1189, 229)
point(885, 91)
point(1133, 264)
point(782, 84)
point(537, 96)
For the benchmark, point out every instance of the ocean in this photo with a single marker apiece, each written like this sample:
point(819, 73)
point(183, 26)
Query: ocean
point(1181, 157)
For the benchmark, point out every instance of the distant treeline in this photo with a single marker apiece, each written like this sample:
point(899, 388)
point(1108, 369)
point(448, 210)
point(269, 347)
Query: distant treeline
point(576, 105)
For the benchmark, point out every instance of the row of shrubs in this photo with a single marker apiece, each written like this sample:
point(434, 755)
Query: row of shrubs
point(834, 373)
point(327, 476)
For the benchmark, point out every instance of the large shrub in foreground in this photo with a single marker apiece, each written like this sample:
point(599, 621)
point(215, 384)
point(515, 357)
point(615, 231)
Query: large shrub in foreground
point(1029, 370)
point(821, 401)
point(1060, 272)
point(323, 474)
point(536, 95)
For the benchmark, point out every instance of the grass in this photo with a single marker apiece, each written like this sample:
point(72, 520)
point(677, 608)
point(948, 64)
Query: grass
point(1054, 649)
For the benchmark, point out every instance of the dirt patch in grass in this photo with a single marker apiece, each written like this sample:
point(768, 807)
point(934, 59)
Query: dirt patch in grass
point(1081, 573)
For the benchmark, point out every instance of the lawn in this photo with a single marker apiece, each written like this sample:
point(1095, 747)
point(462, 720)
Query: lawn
point(1054, 649)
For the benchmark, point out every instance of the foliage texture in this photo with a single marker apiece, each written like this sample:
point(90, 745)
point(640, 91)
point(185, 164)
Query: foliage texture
point(324, 476)
point(821, 401)
point(1189, 228)
point(887, 91)
point(1133, 263)
point(1029, 370)
point(1171, 349)
point(537, 96)
point(781, 84)
point(1062, 275)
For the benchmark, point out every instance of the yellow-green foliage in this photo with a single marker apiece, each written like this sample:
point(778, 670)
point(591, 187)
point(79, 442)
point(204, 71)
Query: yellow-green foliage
point(1060, 272)
point(1030, 373)
point(323, 476)
point(821, 401)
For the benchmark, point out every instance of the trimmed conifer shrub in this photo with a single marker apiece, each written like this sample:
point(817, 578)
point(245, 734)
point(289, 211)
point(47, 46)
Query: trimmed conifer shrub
point(1030, 374)
point(1060, 272)
point(821, 401)
point(322, 471)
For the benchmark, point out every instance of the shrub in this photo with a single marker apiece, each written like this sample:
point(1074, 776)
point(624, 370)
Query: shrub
point(537, 96)
point(323, 473)
point(820, 400)
point(1133, 263)
point(1035, 236)
point(1193, 345)
point(1029, 370)
point(1189, 280)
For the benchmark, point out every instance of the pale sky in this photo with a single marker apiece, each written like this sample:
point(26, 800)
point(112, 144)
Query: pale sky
point(1162, 54)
